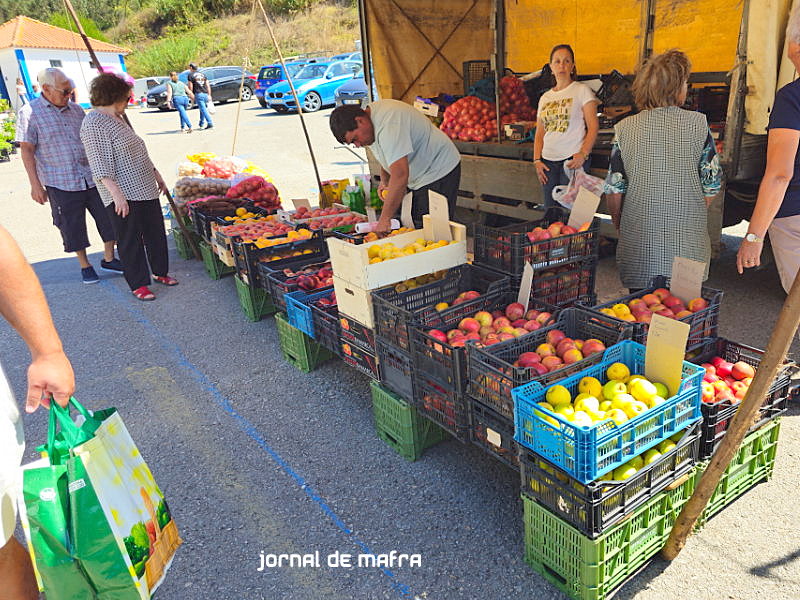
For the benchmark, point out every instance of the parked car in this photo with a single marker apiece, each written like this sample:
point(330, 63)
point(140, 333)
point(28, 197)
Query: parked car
point(316, 84)
point(224, 86)
point(354, 91)
point(144, 84)
point(271, 74)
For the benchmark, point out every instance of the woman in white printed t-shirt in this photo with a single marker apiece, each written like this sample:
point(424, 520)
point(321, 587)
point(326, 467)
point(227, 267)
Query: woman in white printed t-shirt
point(566, 124)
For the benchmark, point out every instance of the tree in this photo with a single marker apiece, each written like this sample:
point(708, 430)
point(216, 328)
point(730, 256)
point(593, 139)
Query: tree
point(89, 26)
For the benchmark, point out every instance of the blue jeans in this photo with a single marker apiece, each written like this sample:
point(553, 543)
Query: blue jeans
point(556, 176)
point(202, 101)
point(181, 104)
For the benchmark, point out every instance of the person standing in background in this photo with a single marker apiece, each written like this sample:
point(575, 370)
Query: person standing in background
point(566, 125)
point(201, 88)
point(50, 377)
point(178, 96)
point(48, 131)
point(36, 91)
point(22, 92)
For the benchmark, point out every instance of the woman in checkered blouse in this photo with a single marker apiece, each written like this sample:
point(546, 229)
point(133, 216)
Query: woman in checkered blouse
point(663, 174)
point(129, 185)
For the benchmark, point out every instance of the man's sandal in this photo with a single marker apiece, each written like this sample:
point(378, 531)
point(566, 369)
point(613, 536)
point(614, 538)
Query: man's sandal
point(144, 293)
point(165, 280)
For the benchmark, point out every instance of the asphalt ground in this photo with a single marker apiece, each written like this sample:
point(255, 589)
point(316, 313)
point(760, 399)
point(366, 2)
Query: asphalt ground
point(256, 457)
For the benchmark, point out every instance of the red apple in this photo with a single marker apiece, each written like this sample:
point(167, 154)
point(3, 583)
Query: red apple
point(527, 359)
point(710, 377)
point(662, 294)
point(484, 331)
point(515, 311)
point(532, 314)
point(708, 392)
point(503, 336)
point(519, 323)
point(539, 368)
point(470, 295)
point(720, 386)
point(552, 362)
point(709, 368)
point(519, 331)
point(724, 369)
point(697, 304)
point(645, 317)
point(473, 336)
point(571, 356)
point(564, 345)
point(683, 314)
point(437, 334)
point(545, 350)
point(532, 325)
point(501, 322)
point(741, 369)
point(484, 318)
point(739, 389)
point(469, 325)
point(636, 302)
point(592, 346)
point(496, 314)
point(665, 312)
point(554, 336)
point(454, 333)
point(544, 317)
point(491, 339)
point(651, 299)
point(716, 360)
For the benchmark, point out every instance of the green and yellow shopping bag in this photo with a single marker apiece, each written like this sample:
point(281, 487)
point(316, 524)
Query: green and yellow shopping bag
point(118, 533)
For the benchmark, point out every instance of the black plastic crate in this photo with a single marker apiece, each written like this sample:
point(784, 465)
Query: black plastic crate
point(395, 367)
point(248, 257)
point(564, 286)
point(442, 405)
point(473, 71)
point(447, 363)
point(595, 507)
point(717, 416)
point(507, 249)
point(704, 324)
point(395, 311)
point(326, 327)
point(492, 373)
point(278, 285)
point(494, 434)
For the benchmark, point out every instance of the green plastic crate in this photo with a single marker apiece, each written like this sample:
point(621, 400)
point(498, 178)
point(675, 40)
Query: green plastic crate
point(752, 464)
point(401, 426)
point(590, 569)
point(182, 245)
point(215, 268)
point(299, 349)
point(256, 302)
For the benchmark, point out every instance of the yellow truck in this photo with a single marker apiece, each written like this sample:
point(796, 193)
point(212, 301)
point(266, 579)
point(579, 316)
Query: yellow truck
point(421, 48)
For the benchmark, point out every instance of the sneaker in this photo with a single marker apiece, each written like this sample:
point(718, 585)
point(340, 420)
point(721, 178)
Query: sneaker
point(89, 275)
point(189, 130)
point(201, 126)
point(114, 265)
point(209, 127)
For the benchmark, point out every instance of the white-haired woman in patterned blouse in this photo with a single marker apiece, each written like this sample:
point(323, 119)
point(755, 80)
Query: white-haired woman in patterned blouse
point(664, 171)
point(129, 185)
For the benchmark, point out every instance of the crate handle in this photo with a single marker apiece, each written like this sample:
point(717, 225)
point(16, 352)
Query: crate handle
point(678, 482)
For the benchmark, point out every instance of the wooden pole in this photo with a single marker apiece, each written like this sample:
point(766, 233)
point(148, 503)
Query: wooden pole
point(296, 99)
point(173, 207)
point(779, 343)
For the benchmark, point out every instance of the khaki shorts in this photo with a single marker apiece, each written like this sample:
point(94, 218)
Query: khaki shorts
point(784, 235)
point(12, 445)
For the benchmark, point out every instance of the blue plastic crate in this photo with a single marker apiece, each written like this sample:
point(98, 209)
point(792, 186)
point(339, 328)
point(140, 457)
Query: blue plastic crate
point(587, 453)
point(298, 309)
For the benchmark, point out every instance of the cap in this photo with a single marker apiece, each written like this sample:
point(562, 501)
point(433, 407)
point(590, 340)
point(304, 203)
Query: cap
point(192, 66)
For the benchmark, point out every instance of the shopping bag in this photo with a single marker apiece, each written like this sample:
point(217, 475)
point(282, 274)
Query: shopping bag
point(121, 532)
point(211, 108)
point(565, 194)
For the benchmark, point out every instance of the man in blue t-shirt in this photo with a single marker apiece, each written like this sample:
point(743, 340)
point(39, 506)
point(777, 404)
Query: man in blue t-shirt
point(777, 209)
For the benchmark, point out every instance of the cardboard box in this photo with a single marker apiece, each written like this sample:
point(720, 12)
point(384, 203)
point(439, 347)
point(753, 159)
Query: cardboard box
point(519, 129)
point(357, 333)
point(427, 107)
point(354, 301)
point(351, 263)
point(361, 360)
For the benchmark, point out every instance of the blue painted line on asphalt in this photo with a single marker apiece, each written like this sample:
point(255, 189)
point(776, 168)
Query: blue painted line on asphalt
point(201, 378)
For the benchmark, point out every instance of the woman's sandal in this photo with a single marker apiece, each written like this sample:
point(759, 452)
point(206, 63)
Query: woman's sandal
point(144, 293)
point(165, 280)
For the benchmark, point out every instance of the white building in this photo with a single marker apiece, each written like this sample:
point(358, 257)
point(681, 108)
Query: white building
point(27, 46)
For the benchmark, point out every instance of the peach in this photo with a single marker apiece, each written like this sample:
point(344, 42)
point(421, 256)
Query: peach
point(544, 350)
point(662, 293)
point(592, 346)
point(526, 359)
point(515, 311)
point(532, 325)
point(552, 362)
point(571, 356)
point(554, 336)
point(469, 325)
point(484, 318)
point(697, 304)
point(683, 314)
point(651, 299)
point(501, 322)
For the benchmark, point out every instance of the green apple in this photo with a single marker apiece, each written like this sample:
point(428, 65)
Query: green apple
point(661, 390)
point(624, 472)
point(613, 388)
point(637, 462)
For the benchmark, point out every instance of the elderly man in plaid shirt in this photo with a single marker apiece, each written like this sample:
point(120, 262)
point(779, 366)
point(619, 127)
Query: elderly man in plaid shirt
point(48, 131)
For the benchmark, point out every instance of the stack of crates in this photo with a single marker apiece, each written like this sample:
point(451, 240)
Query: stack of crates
point(595, 511)
point(298, 349)
point(564, 265)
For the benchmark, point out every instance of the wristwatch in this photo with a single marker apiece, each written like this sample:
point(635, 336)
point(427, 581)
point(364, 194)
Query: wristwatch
point(752, 237)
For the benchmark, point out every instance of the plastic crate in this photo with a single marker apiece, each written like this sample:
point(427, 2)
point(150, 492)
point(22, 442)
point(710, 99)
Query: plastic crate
point(395, 368)
point(717, 416)
point(594, 507)
point(586, 453)
point(399, 425)
point(182, 245)
point(264, 269)
point(395, 311)
point(298, 309)
point(703, 324)
point(592, 569)
point(446, 363)
point(566, 285)
point(492, 374)
point(298, 349)
point(214, 266)
point(474, 71)
point(442, 405)
point(494, 434)
point(507, 249)
point(255, 302)
point(278, 286)
point(327, 330)
point(752, 464)
point(248, 257)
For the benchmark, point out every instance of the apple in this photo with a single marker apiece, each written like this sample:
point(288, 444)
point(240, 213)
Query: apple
point(453, 333)
point(501, 322)
point(469, 325)
point(657, 307)
point(544, 317)
point(711, 369)
point(490, 339)
point(672, 301)
point(724, 369)
point(518, 323)
point(470, 295)
point(552, 362)
point(527, 359)
point(592, 346)
point(710, 377)
point(650, 299)
point(645, 317)
point(539, 368)
point(484, 331)
point(473, 336)
point(571, 356)
point(720, 386)
point(544, 350)
point(484, 318)
point(637, 302)
point(438, 335)
point(515, 311)
point(554, 336)
point(532, 325)
point(683, 314)
point(697, 304)
point(708, 392)
point(662, 294)
point(665, 312)
point(741, 370)
point(532, 314)
point(564, 345)
point(503, 336)
point(496, 314)
point(739, 389)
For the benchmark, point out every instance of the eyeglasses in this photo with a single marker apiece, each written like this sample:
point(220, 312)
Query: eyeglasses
point(66, 92)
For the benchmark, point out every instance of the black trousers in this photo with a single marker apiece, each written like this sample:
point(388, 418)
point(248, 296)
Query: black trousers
point(69, 215)
point(141, 239)
point(447, 186)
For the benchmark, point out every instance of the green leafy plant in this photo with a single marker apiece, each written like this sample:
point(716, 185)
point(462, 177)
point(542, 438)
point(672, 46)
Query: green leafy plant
point(164, 56)
point(5, 147)
point(89, 26)
point(8, 131)
point(5, 106)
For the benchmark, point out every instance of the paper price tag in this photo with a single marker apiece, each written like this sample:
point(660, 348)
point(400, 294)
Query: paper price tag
point(298, 202)
point(687, 278)
point(405, 211)
point(666, 347)
point(494, 438)
point(585, 207)
point(524, 294)
point(440, 216)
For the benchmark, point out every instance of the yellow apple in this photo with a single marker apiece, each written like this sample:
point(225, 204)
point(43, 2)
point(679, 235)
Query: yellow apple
point(618, 371)
point(612, 388)
point(582, 419)
point(661, 390)
point(591, 386)
point(587, 403)
point(617, 415)
point(666, 446)
point(642, 390)
point(558, 395)
point(651, 456)
point(624, 472)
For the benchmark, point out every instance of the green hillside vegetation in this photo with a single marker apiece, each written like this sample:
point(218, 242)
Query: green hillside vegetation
point(166, 35)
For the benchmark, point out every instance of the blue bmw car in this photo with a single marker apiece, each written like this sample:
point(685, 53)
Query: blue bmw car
point(316, 84)
point(271, 74)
